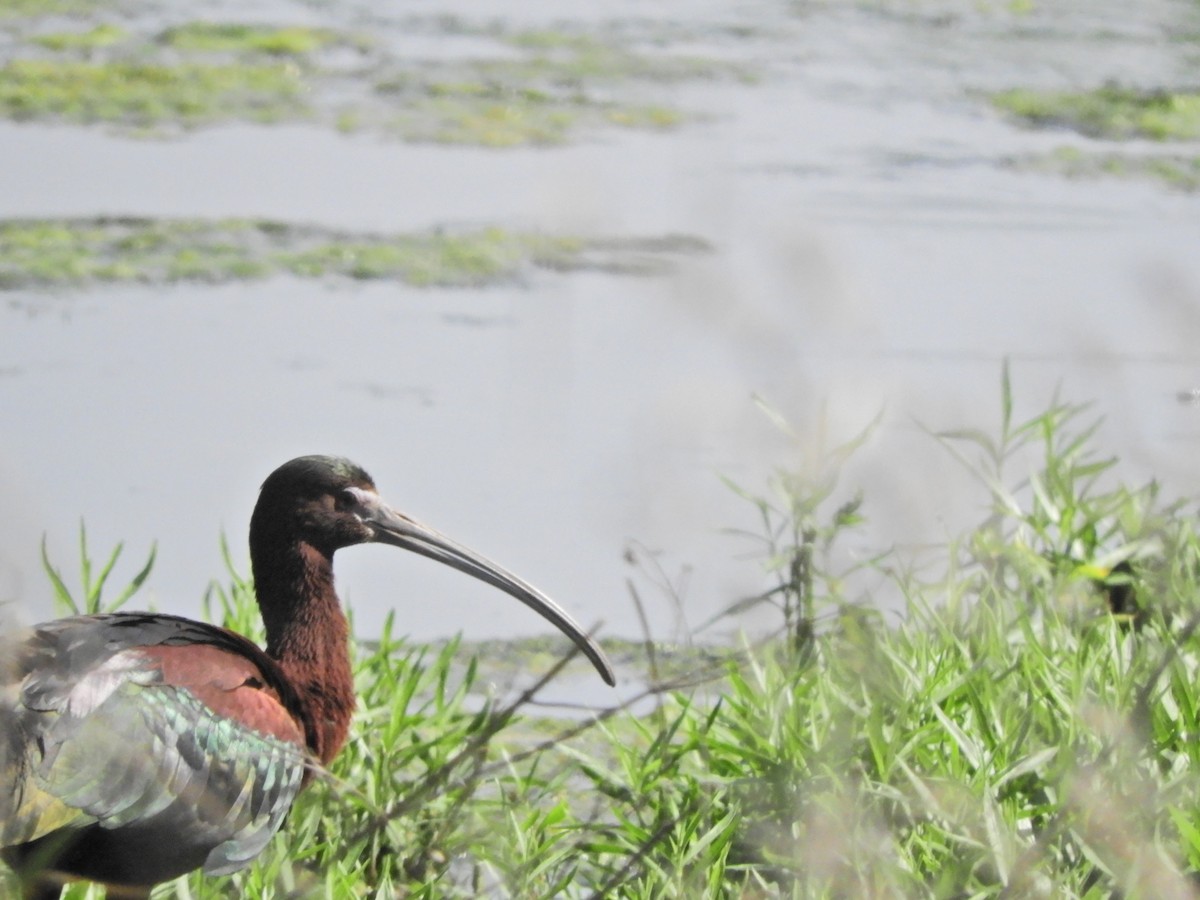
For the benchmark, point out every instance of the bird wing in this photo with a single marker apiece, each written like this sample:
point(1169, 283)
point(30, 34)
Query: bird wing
point(148, 724)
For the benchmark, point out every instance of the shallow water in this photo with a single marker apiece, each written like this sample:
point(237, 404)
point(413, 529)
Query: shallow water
point(874, 254)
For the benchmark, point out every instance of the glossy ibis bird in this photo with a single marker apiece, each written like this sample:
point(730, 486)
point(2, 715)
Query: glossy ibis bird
point(135, 747)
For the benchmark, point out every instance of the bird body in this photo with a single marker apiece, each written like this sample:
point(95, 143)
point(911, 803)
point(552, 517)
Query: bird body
point(136, 747)
point(131, 727)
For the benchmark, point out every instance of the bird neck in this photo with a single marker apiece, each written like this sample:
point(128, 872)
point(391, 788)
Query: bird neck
point(308, 636)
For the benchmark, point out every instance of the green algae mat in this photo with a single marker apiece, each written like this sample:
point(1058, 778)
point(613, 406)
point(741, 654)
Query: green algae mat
point(516, 88)
point(1116, 114)
point(64, 253)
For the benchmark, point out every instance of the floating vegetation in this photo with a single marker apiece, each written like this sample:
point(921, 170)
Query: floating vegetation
point(94, 39)
point(16, 9)
point(536, 87)
point(1109, 112)
point(148, 94)
point(562, 83)
point(37, 253)
point(1114, 113)
point(217, 37)
point(492, 117)
point(1179, 172)
point(574, 57)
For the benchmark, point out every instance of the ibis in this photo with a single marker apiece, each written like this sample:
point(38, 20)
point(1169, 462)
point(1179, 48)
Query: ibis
point(136, 747)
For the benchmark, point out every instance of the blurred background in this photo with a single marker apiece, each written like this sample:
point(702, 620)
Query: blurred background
point(531, 264)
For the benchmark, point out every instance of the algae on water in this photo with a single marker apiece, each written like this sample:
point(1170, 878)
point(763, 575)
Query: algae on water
point(1113, 113)
point(1109, 112)
point(77, 252)
point(532, 87)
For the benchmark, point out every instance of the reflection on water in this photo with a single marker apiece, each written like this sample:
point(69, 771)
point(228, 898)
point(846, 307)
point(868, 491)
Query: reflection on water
point(873, 254)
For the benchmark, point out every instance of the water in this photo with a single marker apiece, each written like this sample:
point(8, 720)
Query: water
point(875, 256)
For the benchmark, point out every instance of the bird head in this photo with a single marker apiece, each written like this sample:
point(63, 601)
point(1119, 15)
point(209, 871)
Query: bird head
point(328, 503)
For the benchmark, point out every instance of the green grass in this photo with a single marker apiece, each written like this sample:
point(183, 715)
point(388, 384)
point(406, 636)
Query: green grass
point(1007, 736)
point(72, 253)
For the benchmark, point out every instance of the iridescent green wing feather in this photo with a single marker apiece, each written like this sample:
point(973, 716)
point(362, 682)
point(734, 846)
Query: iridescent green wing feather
point(106, 739)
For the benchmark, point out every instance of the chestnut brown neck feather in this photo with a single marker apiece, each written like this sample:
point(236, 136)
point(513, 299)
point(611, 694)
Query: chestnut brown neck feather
point(307, 634)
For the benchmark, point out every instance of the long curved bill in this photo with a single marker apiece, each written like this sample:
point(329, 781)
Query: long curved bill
point(397, 529)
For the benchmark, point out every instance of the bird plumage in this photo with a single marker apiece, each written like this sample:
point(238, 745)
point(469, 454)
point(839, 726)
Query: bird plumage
point(136, 747)
point(130, 727)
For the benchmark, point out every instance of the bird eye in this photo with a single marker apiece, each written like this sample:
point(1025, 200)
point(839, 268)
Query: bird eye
point(345, 500)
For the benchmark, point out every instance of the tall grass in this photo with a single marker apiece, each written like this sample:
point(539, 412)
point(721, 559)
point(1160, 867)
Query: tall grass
point(1029, 728)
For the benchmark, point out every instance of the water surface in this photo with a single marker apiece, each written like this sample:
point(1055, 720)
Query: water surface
point(875, 255)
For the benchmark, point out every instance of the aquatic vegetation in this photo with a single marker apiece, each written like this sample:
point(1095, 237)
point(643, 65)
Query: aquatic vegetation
point(466, 114)
point(16, 9)
point(1109, 112)
point(220, 37)
point(1115, 113)
point(1183, 173)
point(562, 84)
point(78, 252)
point(454, 115)
point(645, 117)
point(538, 87)
point(1176, 171)
point(432, 259)
point(576, 57)
point(95, 38)
point(147, 94)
